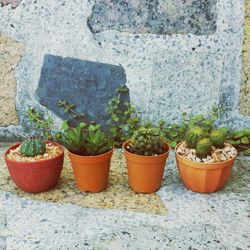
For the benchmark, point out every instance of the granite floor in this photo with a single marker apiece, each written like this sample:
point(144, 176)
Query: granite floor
point(173, 218)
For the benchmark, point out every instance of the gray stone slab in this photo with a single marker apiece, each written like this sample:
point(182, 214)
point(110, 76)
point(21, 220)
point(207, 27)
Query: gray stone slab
point(86, 84)
point(154, 16)
point(185, 82)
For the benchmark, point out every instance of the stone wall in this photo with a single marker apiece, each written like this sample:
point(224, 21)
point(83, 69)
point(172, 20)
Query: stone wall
point(245, 87)
point(173, 56)
point(10, 54)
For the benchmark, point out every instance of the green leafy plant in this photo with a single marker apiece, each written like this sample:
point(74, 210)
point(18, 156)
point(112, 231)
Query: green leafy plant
point(96, 141)
point(73, 138)
point(124, 120)
point(45, 125)
point(32, 147)
point(175, 133)
point(240, 139)
point(146, 141)
point(81, 141)
point(70, 108)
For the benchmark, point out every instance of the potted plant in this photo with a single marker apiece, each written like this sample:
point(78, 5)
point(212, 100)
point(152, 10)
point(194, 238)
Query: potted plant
point(146, 154)
point(204, 159)
point(90, 153)
point(35, 165)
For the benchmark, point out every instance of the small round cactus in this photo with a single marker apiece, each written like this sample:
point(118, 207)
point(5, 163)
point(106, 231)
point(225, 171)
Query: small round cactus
point(204, 147)
point(218, 137)
point(193, 136)
point(146, 141)
point(33, 147)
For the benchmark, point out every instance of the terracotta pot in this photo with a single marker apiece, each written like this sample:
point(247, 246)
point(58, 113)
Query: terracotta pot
point(203, 177)
point(38, 176)
point(91, 172)
point(145, 172)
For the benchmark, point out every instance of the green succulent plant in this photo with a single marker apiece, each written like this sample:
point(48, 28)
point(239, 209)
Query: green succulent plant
point(96, 142)
point(81, 141)
point(194, 135)
point(147, 141)
point(218, 137)
point(32, 147)
point(72, 138)
point(204, 147)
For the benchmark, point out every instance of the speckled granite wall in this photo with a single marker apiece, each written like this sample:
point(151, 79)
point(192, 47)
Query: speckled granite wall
point(245, 88)
point(154, 16)
point(182, 55)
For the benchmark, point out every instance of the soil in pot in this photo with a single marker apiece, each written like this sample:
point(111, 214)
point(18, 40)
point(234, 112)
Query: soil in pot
point(207, 174)
point(145, 172)
point(35, 174)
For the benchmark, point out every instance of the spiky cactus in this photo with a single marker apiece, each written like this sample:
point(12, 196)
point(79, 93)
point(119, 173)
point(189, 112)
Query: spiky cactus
point(193, 136)
point(32, 147)
point(146, 141)
point(204, 147)
point(218, 137)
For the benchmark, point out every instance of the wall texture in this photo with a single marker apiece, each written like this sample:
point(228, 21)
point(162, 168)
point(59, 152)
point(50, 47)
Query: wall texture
point(245, 87)
point(174, 56)
point(10, 54)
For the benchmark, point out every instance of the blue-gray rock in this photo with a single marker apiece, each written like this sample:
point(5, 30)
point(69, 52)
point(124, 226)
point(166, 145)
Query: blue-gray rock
point(88, 85)
point(154, 16)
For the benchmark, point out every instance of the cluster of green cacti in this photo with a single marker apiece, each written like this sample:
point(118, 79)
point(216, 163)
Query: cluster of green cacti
point(194, 135)
point(32, 147)
point(197, 138)
point(147, 141)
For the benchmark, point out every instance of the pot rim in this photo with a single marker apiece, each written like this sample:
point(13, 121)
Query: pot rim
point(148, 156)
point(203, 164)
point(32, 162)
point(91, 156)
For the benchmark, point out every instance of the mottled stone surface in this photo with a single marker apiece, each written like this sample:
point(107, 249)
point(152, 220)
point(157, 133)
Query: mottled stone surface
point(245, 86)
point(117, 196)
point(193, 221)
point(88, 85)
point(10, 54)
point(154, 16)
point(199, 79)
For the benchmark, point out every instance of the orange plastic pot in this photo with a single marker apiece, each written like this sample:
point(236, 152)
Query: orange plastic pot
point(145, 172)
point(38, 176)
point(91, 172)
point(203, 177)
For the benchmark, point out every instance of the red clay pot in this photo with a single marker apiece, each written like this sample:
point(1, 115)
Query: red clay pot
point(91, 172)
point(203, 177)
point(38, 176)
point(145, 172)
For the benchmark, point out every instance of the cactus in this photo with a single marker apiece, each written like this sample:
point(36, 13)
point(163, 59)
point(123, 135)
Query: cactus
point(194, 135)
point(218, 137)
point(32, 147)
point(147, 141)
point(204, 147)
